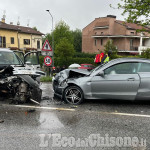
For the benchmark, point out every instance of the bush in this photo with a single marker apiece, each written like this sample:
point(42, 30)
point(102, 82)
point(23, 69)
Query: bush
point(146, 53)
point(110, 46)
point(78, 60)
point(84, 55)
point(46, 79)
point(86, 58)
point(41, 60)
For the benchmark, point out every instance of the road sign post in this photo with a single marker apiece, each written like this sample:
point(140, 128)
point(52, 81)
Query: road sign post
point(47, 51)
point(48, 60)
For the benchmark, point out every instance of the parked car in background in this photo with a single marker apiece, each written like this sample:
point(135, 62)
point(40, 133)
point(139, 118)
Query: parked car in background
point(123, 78)
point(74, 66)
point(86, 66)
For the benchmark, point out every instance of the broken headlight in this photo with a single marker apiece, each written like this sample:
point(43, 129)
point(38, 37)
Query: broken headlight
point(64, 83)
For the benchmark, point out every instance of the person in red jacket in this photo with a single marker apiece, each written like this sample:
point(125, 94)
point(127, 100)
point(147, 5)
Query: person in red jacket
point(98, 58)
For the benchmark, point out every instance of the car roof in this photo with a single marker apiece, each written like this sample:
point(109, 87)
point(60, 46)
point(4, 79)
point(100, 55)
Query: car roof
point(5, 50)
point(127, 59)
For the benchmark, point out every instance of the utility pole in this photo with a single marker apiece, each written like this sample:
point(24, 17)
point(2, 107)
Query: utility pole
point(52, 39)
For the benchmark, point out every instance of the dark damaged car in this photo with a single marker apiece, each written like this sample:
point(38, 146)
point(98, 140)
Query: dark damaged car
point(18, 81)
point(124, 79)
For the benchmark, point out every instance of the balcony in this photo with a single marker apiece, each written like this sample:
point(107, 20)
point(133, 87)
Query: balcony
point(142, 48)
point(133, 48)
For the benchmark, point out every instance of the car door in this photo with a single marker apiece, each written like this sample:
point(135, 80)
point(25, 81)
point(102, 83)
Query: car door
point(120, 81)
point(32, 58)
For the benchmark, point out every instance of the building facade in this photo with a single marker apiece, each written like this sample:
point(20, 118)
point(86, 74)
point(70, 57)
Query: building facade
point(19, 37)
point(124, 35)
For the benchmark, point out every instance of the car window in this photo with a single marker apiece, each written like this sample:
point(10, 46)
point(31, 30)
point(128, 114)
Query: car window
point(122, 68)
point(144, 67)
point(9, 58)
point(32, 58)
point(98, 67)
point(86, 65)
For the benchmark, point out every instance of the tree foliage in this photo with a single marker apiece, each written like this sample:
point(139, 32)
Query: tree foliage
point(64, 50)
point(146, 53)
point(77, 40)
point(62, 30)
point(110, 47)
point(35, 28)
point(137, 10)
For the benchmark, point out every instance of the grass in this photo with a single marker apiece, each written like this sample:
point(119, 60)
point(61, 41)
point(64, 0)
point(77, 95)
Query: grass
point(46, 79)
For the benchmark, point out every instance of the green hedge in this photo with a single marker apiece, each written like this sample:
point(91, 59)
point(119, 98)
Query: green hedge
point(84, 55)
point(62, 62)
point(87, 59)
point(41, 60)
point(46, 79)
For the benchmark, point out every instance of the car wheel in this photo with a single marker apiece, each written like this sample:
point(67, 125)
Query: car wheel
point(73, 95)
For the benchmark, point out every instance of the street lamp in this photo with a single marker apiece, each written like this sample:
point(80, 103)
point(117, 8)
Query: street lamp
point(52, 38)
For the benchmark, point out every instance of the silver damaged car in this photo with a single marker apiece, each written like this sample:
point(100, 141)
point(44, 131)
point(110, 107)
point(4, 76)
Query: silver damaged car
point(124, 79)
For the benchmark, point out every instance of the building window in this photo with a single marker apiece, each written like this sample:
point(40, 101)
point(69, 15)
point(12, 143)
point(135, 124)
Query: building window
point(132, 33)
point(38, 44)
point(26, 41)
point(3, 41)
point(12, 40)
point(102, 33)
point(131, 44)
point(95, 42)
point(101, 41)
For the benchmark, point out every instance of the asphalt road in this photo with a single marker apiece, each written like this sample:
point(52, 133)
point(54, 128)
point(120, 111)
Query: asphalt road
point(97, 124)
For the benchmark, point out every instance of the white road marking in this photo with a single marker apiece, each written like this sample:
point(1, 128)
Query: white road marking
point(127, 114)
point(38, 107)
point(121, 114)
point(69, 109)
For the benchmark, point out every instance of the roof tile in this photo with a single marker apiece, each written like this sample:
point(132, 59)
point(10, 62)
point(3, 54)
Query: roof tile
point(132, 25)
point(20, 29)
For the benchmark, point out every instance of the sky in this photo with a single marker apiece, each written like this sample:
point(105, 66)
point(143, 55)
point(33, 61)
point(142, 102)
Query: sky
point(77, 14)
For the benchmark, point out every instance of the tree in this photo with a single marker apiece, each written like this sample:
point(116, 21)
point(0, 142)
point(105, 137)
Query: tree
point(64, 50)
point(110, 46)
point(48, 37)
point(35, 28)
point(137, 10)
point(146, 53)
point(62, 30)
point(77, 40)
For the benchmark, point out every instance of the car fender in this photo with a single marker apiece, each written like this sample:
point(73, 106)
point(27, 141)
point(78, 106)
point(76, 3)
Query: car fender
point(84, 83)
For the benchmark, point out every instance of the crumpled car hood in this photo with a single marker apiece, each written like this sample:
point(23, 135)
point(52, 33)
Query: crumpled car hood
point(71, 73)
point(27, 71)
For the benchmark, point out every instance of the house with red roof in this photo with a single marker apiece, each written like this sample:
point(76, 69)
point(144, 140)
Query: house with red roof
point(126, 36)
point(19, 37)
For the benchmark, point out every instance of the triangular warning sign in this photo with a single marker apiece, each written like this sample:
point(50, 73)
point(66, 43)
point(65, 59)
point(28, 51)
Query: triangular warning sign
point(46, 46)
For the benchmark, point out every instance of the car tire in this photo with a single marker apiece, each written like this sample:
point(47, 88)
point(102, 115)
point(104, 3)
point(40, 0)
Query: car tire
point(73, 95)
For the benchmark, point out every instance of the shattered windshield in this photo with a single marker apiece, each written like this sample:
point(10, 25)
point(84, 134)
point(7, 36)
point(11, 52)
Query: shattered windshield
point(9, 58)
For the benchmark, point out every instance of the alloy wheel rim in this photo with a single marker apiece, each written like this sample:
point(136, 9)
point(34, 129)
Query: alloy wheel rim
point(73, 96)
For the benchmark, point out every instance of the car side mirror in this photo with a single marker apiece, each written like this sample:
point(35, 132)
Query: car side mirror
point(101, 73)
